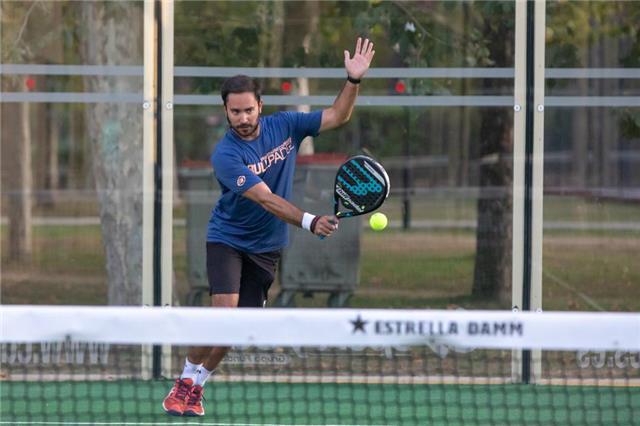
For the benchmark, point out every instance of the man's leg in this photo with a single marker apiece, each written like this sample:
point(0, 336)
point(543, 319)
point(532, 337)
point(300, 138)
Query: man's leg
point(247, 276)
point(257, 274)
point(224, 272)
point(209, 356)
point(224, 268)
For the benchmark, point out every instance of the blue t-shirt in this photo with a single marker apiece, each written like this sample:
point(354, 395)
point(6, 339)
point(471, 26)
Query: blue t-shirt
point(239, 165)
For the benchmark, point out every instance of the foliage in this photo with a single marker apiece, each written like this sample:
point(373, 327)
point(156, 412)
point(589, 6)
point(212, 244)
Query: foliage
point(573, 27)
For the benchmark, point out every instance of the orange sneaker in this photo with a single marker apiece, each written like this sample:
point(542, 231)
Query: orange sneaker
point(194, 402)
point(175, 402)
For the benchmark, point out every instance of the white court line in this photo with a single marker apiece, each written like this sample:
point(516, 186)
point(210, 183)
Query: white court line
point(589, 301)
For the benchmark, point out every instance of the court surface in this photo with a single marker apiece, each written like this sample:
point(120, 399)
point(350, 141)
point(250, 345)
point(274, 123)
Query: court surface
point(253, 403)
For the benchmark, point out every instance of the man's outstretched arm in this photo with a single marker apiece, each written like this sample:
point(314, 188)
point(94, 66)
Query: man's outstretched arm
point(340, 112)
point(278, 206)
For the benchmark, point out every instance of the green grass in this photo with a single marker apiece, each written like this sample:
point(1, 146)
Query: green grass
point(321, 404)
point(68, 249)
point(603, 269)
point(578, 209)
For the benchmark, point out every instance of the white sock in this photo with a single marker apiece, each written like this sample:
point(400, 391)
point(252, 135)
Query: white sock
point(201, 376)
point(189, 369)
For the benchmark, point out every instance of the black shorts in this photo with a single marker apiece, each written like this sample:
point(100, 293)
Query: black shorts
point(233, 271)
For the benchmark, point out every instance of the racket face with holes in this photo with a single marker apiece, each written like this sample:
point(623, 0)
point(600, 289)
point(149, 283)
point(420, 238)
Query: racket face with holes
point(361, 186)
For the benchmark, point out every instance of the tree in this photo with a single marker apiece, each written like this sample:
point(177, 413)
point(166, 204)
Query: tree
point(113, 36)
point(49, 115)
point(17, 172)
point(492, 270)
point(311, 12)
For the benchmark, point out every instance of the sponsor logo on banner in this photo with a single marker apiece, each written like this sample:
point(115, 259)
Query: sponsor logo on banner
point(602, 359)
point(258, 358)
point(55, 353)
point(437, 328)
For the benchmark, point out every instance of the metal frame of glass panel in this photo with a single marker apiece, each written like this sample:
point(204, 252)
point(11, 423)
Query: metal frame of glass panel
point(157, 280)
point(167, 170)
point(528, 149)
point(148, 184)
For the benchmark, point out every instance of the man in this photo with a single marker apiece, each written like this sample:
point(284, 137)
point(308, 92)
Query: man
point(254, 164)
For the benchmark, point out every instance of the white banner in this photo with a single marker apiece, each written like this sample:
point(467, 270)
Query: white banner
point(321, 327)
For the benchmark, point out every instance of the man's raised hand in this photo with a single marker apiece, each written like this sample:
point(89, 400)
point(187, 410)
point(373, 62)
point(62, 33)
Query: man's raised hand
point(358, 65)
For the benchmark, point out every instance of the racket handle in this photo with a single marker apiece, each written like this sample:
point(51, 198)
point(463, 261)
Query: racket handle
point(333, 222)
point(322, 237)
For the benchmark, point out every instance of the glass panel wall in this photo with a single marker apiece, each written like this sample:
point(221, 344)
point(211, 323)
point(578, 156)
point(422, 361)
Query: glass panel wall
point(592, 157)
point(71, 152)
point(435, 109)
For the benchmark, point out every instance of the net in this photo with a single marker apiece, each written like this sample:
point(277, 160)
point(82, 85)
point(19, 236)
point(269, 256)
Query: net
point(97, 365)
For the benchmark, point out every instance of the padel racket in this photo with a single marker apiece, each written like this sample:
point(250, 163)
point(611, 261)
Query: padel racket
point(361, 186)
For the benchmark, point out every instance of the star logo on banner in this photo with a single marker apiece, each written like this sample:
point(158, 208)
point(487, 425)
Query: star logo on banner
point(358, 325)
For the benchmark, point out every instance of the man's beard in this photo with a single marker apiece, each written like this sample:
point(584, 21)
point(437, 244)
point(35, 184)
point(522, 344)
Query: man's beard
point(245, 130)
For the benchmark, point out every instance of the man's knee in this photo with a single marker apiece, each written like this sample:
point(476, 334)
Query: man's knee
point(225, 300)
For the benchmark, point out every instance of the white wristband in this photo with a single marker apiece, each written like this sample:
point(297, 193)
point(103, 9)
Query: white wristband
point(307, 218)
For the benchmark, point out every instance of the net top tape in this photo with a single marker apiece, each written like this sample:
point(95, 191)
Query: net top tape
point(321, 327)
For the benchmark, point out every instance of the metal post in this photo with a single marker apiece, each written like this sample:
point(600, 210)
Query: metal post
point(519, 120)
point(148, 158)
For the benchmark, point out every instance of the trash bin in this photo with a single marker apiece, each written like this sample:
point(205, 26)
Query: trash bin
point(309, 264)
point(201, 192)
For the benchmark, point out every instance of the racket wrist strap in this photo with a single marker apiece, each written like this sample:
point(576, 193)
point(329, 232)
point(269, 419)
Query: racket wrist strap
point(308, 221)
point(353, 80)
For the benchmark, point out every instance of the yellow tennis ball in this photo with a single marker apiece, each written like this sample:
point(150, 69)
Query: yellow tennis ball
point(378, 221)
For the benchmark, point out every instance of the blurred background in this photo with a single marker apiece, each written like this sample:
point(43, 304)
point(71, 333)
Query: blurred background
point(436, 110)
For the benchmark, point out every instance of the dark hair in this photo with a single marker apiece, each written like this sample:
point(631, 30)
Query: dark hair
point(240, 84)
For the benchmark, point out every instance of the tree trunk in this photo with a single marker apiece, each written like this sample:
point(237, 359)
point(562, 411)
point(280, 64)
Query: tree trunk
point(276, 45)
point(439, 142)
point(78, 174)
point(53, 121)
point(52, 178)
point(465, 146)
point(579, 140)
point(312, 12)
point(578, 162)
point(17, 180)
point(263, 21)
point(465, 121)
point(492, 271)
point(610, 134)
point(44, 129)
point(453, 148)
point(114, 131)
